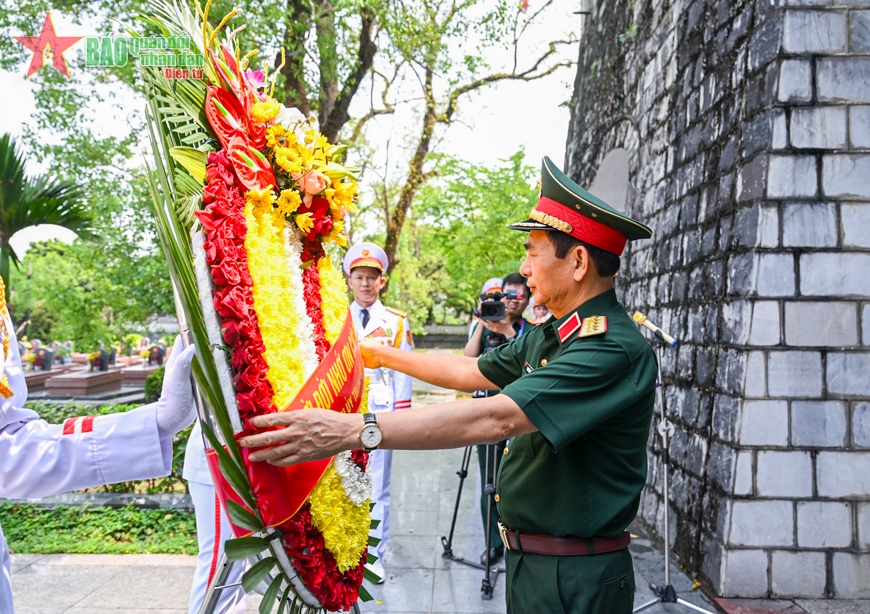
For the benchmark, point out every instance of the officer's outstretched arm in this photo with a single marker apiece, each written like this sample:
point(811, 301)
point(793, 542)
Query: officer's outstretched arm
point(445, 370)
point(311, 434)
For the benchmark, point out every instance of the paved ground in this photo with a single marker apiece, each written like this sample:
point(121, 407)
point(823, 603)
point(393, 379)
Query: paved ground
point(418, 578)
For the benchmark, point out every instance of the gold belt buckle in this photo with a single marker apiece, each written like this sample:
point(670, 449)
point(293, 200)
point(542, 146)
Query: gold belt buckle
point(502, 531)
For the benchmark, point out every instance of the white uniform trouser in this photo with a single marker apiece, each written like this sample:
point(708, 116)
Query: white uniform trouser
point(212, 530)
point(379, 466)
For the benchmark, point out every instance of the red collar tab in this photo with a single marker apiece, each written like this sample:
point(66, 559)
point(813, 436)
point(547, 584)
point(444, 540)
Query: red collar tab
point(584, 228)
point(569, 327)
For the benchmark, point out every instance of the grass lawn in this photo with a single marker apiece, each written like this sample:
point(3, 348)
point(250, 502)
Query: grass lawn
point(97, 530)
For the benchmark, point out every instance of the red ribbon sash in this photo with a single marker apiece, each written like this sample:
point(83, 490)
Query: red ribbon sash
point(336, 384)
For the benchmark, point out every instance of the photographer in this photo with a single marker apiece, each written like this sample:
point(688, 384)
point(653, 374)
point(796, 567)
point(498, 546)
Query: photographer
point(487, 336)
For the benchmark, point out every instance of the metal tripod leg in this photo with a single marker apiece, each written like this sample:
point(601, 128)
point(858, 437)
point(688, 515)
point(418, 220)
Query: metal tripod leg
point(447, 542)
point(666, 593)
point(487, 587)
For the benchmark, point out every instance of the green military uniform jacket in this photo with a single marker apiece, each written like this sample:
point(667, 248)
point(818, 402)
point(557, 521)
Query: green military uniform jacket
point(591, 399)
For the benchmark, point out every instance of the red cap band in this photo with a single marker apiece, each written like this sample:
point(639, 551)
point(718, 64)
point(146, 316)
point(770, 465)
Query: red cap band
point(585, 228)
point(367, 261)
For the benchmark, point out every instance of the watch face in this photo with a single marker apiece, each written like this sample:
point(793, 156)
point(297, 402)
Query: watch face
point(370, 436)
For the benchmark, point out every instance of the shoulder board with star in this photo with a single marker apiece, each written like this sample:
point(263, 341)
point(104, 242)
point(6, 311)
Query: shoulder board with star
point(401, 314)
point(593, 325)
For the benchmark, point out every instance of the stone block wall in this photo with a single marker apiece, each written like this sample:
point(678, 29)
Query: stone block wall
point(748, 125)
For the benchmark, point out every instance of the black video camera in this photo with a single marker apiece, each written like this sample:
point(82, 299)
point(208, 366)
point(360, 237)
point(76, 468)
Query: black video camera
point(492, 309)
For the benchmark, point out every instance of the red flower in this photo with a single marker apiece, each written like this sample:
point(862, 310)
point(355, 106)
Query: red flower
point(232, 303)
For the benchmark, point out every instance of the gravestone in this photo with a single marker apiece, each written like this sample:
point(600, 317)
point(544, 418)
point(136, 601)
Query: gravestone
point(156, 355)
point(44, 359)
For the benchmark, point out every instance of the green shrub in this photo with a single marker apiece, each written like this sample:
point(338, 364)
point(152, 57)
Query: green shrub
point(154, 384)
point(56, 412)
point(97, 530)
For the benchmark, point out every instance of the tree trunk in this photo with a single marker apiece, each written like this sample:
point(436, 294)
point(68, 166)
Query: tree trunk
point(416, 177)
point(298, 20)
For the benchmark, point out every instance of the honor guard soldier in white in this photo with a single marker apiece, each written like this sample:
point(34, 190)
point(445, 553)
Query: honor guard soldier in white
point(38, 459)
point(365, 265)
point(212, 531)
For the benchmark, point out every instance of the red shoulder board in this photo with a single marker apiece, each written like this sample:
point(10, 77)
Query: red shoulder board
point(569, 327)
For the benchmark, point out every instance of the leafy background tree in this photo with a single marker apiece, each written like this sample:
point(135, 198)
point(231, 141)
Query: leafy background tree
point(457, 237)
point(29, 200)
point(347, 61)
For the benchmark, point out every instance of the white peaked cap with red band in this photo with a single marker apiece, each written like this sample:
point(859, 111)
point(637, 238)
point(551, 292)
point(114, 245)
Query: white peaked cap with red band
point(366, 254)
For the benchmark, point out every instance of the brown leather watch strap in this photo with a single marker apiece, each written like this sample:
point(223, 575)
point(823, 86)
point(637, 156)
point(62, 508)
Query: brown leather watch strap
point(541, 543)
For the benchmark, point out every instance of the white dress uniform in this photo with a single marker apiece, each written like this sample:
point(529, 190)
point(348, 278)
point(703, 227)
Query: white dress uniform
point(389, 390)
point(212, 531)
point(38, 459)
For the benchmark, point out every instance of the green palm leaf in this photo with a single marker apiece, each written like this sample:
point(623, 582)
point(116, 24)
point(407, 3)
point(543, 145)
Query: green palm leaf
point(29, 201)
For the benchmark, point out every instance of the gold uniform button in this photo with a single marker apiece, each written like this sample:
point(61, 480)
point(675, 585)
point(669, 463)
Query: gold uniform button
point(506, 450)
point(496, 498)
point(544, 362)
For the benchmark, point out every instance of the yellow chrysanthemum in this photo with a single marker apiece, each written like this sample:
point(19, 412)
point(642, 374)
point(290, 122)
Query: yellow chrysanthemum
point(290, 159)
point(274, 135)
point(344, 525)
point(333, 298)
point(260, 199)
point(305, 222)
point(289, 202)
point(264, 112)
point(286, 349)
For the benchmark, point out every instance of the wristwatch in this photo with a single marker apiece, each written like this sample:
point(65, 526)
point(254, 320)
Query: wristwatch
point(370, 436)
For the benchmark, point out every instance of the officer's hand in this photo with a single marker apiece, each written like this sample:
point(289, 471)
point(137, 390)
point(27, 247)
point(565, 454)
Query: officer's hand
point(175, 409)
point(370, 351)
point(308, 434)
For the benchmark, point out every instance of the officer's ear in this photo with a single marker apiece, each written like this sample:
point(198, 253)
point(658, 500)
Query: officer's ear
point(581, 262)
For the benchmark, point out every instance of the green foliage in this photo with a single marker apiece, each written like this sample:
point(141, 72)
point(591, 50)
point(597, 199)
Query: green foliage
point(30, 200)
point(90, 294)
point(55, 412)
point(458, 238)
point(97, 530)
point(154, 384)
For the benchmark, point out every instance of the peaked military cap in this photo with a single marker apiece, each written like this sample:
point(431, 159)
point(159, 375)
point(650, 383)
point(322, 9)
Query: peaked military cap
point(565, 206)
point(366, 254)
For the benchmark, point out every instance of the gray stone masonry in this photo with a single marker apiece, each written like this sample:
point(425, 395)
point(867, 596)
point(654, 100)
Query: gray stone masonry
point(747, 124)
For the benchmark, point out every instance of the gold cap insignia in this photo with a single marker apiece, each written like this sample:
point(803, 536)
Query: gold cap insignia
point(365, 253)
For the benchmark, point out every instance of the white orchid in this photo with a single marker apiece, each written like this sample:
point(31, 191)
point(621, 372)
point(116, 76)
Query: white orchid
point(291, 118)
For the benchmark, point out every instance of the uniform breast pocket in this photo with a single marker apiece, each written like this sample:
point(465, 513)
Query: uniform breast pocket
point(532, 445)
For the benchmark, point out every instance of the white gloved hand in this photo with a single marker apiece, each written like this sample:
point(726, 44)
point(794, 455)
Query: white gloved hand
point(175, 409)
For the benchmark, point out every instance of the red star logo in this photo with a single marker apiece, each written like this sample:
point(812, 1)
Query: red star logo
point(48, 42)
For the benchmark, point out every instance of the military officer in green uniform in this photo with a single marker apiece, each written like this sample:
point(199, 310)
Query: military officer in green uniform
point(576, 404)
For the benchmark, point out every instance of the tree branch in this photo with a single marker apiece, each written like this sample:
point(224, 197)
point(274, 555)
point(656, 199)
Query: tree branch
point(324, 27)
point(527, 75)
point(295, 35)
point(338, 115)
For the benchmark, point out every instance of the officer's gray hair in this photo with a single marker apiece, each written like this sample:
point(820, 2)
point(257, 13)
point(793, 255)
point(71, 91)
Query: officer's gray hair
point(606, 264)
